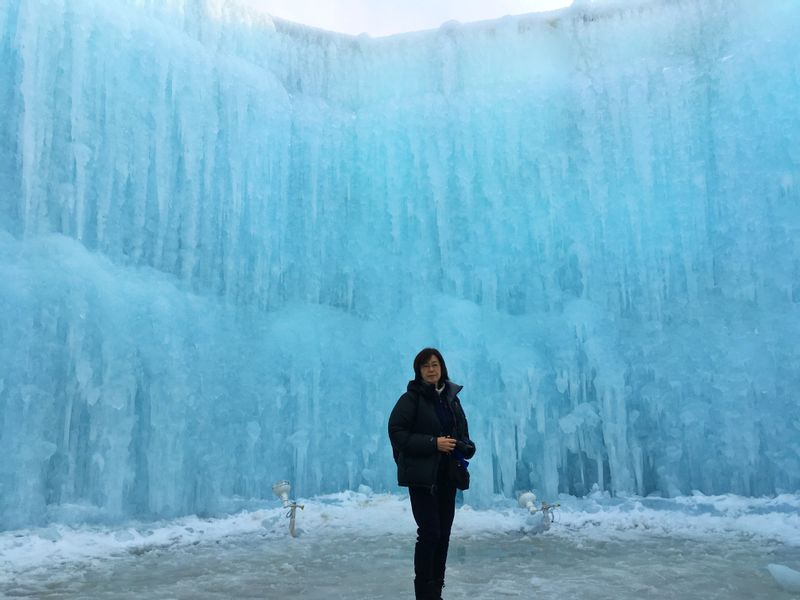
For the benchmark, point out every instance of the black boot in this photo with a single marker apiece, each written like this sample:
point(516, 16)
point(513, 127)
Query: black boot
point(426, 590)
point(438, 584)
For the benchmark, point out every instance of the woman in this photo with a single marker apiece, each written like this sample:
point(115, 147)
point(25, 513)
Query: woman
point(430, 439)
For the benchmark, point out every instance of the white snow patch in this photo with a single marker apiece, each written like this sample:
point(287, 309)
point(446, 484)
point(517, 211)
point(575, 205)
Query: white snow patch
point(348, 514)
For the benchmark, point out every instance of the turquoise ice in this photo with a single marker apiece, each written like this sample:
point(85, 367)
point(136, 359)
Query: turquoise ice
point(223, 237)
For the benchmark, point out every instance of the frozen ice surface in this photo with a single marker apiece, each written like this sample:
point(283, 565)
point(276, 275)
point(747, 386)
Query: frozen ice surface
point(356, 546)
point(223, 237)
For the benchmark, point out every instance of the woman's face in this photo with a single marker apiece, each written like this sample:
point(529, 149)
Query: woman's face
point(431, 370)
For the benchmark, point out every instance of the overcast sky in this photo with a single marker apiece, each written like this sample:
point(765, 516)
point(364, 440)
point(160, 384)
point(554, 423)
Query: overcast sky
point(385, 17)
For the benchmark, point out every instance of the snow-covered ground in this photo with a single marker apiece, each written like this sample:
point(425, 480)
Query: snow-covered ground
point(359, 545)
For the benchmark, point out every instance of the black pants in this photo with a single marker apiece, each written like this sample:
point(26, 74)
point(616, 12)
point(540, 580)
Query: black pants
point(434, 514)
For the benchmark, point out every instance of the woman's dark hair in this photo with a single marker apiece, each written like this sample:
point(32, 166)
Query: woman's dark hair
point(423, 357)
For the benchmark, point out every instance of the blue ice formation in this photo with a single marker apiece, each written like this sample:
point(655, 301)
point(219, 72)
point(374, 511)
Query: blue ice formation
point(223, 237)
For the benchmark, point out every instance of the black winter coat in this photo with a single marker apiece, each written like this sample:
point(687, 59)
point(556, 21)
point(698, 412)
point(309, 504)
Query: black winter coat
point(414, 427)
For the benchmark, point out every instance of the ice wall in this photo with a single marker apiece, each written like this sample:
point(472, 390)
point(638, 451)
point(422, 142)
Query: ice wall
point(223, 238)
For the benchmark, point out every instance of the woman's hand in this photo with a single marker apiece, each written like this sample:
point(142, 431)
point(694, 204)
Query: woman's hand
point(445, 444)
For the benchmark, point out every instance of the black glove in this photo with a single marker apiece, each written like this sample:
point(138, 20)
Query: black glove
point(466, 447)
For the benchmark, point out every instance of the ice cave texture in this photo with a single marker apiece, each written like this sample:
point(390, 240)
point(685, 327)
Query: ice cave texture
point(223, 238)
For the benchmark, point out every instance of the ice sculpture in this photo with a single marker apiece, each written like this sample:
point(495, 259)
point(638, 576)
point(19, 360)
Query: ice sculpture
point(223, 238)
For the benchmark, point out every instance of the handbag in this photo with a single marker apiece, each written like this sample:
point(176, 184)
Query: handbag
point(459, 474)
